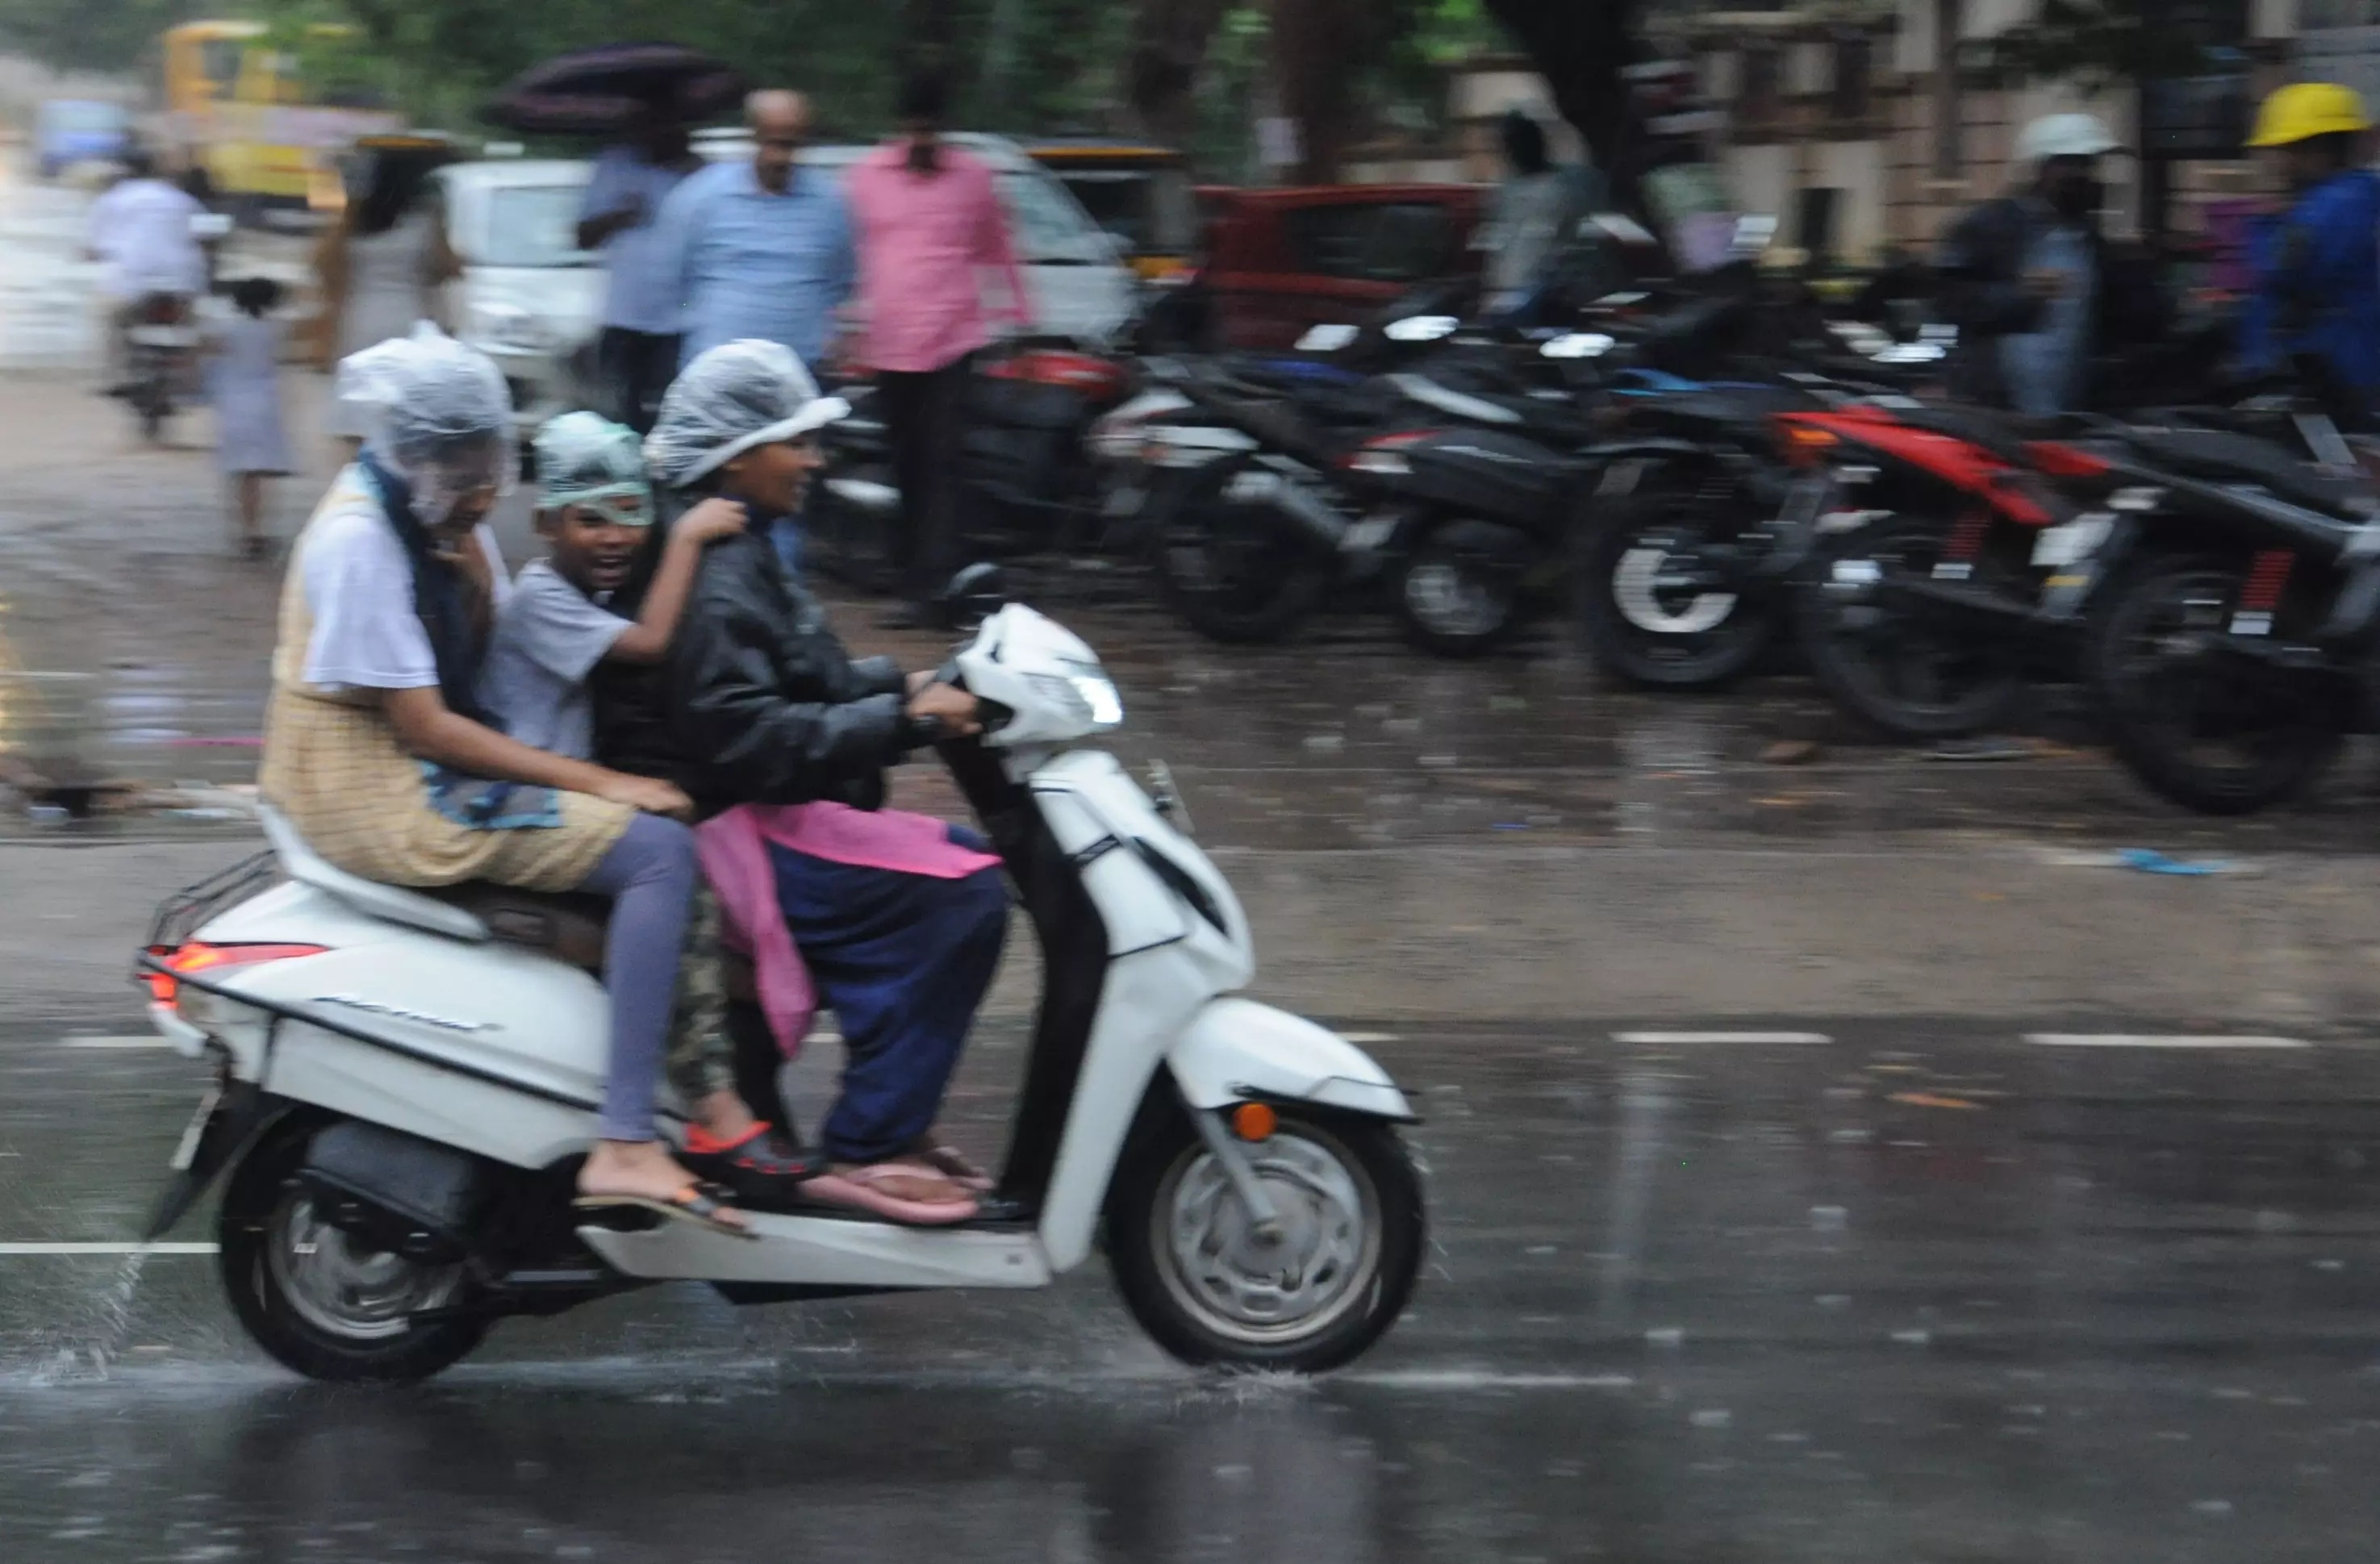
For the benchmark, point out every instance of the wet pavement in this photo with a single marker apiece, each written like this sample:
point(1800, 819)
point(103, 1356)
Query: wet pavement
point(1920, 1292)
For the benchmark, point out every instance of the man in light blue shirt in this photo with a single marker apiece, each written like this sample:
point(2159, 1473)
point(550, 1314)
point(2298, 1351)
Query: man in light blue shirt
point(624, 196)
point(760, 249)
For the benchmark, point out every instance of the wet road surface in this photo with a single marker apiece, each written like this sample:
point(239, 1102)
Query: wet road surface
point(1914, 1292)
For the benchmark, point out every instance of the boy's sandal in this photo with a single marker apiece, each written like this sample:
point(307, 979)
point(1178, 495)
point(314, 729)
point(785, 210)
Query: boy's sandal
point(691, 1204)
point(763, 1169)
point(952, 1164)
point(864, 1189)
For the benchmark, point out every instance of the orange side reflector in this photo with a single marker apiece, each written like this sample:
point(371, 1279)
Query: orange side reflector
point(1254, 1121)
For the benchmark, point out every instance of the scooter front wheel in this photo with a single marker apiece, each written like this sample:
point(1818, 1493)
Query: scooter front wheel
point(315, 1298)
point(1211, 1289)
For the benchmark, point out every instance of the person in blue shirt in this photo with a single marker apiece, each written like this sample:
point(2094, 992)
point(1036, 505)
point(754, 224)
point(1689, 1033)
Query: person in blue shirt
point(620, 217)
point(2317, 266)
point(759, 250)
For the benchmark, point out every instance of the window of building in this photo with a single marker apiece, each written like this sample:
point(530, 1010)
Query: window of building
point(1854, 76)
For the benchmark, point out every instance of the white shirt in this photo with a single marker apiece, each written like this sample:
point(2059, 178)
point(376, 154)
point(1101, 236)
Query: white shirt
point(368, 635)
point(141, 228)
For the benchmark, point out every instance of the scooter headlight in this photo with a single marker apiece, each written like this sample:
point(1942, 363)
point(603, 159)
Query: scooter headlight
point(1085, 693)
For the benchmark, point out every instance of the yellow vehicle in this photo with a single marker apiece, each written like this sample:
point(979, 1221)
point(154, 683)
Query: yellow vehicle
point(1138, 192)
point(239, 107)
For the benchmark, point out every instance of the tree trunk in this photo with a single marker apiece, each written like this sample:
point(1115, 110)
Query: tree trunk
point(1169, 49)
point(1316, 46)
point(1580, 47)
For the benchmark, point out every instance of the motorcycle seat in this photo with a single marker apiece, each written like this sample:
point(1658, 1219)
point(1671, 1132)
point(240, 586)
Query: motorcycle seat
point(2221, 456)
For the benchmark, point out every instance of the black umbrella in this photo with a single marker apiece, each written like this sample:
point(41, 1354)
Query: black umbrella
point(602, 91)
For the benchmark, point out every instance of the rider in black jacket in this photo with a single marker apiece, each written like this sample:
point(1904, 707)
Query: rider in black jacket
point(761, 705)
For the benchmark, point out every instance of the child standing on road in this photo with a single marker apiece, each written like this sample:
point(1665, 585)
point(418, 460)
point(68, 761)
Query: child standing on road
point(595, 512)
point(244, 383)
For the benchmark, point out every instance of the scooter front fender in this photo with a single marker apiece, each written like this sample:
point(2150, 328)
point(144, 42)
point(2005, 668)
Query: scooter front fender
point(1234, 1049)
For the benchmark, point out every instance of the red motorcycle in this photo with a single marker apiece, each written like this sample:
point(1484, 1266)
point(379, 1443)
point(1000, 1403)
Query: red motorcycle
point(1951, 559)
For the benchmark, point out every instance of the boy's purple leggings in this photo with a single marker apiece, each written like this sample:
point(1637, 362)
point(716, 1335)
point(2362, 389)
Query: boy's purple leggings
point(649, 875)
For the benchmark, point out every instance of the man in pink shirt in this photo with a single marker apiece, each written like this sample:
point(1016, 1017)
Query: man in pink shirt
point(928, 224)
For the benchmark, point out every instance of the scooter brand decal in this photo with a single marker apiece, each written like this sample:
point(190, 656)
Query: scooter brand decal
point(442, 1022)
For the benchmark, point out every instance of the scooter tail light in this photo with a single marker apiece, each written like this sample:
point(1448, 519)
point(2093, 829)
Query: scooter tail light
point(2056, 460)
point(200, 956)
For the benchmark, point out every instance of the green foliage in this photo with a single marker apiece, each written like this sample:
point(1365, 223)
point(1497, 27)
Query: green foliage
point(81, 35)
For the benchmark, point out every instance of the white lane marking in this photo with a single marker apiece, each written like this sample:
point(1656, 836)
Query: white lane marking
point(1369, 1039)
point(107, 1248)
point(2145, 1040)
point(128, 1044)
point(1664, 1039)
point(1488, 1380)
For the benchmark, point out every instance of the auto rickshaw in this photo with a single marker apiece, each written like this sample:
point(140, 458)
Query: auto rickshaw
point(1137, 191)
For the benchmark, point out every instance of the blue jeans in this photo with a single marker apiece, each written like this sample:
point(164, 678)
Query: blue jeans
point(903, 960)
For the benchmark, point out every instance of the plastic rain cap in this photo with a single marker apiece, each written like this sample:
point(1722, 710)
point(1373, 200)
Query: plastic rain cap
point(2307, 109)
point(730, 399)
point(585, 459)
point(2064, 134)
point(441, 416)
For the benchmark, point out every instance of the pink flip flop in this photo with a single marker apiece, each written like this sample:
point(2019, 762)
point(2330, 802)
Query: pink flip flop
point(861, 1189)
point(953, 1165)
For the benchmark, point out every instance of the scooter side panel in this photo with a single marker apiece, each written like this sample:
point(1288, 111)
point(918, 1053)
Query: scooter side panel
point(826, 1252)
point(1235, 1049)
point(490, 1006)
point(373, 1084)
point(1149, 998)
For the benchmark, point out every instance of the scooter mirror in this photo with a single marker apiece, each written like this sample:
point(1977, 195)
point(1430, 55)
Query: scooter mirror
point(1326, 339)
point(975, 594)
point(1422, 328)
point(1578, 345)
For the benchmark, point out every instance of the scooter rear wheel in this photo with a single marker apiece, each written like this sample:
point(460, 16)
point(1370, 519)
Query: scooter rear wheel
point(1236, 571)
point(1908, 671)
point(1210, 1291)
point(313, 1297)
point(1650, 633)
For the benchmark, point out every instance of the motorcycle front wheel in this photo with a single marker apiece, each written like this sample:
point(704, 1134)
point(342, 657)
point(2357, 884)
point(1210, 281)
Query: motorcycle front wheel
point(1236, 570)
point(2204, 728)
point(1909, 670)
point(1212, 1290)
point(1647, 615)
point(317, 1298)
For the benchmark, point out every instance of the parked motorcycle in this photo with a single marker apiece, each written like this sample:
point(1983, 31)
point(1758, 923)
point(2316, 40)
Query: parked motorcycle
point(404, 1090)
point(2237, 643)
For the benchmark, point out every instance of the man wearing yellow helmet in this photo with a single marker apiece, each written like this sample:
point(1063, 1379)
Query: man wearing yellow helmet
point(2317, 266)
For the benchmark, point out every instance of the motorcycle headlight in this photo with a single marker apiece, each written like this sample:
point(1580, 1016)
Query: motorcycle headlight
point(508, 326)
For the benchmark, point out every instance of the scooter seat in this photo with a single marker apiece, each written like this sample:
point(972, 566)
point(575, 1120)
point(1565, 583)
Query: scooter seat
point(568, 924)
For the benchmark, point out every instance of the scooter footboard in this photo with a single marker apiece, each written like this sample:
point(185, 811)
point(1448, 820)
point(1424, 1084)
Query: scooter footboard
point(1235, 1049)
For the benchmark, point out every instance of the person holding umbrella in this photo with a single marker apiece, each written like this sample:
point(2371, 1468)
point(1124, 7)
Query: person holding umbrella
point(639, 349)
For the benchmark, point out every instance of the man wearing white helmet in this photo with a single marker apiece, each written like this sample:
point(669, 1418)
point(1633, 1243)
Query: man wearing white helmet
point(2026, 278)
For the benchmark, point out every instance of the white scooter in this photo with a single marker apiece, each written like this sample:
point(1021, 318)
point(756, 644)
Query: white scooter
point(406, 1080)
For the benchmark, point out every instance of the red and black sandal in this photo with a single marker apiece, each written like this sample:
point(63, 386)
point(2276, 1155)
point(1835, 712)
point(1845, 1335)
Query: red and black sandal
point(764, 1170)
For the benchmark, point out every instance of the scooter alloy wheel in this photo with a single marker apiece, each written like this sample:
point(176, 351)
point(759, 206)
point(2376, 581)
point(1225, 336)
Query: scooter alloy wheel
point(1211, 1289)
point(1456, 595)
point(1646, 615)
point(314, 1297)
point(1237, 571)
